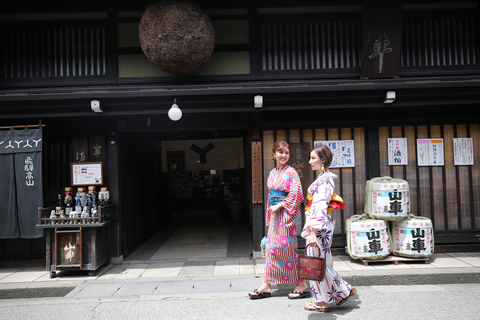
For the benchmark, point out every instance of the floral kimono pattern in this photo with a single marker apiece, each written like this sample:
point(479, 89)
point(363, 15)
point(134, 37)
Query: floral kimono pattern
point(281, 257)
point(319, 219)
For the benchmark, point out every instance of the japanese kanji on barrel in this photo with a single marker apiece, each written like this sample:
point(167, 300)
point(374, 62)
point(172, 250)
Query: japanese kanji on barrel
point(387, 199)
point(413, 237)
point(367, 238)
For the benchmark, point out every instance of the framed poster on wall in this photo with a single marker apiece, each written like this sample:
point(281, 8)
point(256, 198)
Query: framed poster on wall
point(87, 173)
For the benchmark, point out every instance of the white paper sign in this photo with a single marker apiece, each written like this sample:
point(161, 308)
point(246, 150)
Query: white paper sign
point(430, 152)
point(463, 151)
point(397, 152)
point(343, 152)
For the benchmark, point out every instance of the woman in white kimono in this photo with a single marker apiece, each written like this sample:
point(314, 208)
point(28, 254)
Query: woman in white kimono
point(319, 227)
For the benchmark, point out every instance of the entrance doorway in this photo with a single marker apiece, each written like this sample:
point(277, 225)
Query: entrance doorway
point(184, 198)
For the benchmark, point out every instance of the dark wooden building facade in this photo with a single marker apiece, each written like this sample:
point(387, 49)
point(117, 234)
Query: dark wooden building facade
point(322, 68)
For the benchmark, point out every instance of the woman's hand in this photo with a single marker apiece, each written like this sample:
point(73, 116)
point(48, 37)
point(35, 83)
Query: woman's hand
point(274, 209)
point(313, 238)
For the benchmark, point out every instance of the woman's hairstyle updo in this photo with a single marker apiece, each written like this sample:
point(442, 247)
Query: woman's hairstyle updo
point(325, 153)
point(282, 146)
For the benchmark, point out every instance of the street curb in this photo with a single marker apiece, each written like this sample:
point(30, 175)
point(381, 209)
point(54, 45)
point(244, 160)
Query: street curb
point(413, 279)
point(42, 292)
point(62, 289)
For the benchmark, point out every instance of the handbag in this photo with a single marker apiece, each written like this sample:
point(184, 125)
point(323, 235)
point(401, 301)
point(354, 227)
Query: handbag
point(311, 268)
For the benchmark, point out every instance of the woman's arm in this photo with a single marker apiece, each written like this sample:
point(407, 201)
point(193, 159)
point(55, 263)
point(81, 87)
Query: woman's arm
point(317, 218)
point(294, 198)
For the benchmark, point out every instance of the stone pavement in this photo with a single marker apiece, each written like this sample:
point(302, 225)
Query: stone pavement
point(151, 277)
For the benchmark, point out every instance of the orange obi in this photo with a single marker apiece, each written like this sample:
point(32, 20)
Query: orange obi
point(335, 203)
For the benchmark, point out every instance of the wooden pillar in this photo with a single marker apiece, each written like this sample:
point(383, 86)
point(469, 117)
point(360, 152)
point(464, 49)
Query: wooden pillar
point(113, 178)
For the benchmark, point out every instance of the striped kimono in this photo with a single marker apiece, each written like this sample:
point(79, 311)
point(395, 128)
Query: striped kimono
point(318, 218)
point(281, 257)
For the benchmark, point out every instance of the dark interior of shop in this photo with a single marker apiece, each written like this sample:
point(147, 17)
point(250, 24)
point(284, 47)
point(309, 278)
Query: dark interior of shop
point(156, 203)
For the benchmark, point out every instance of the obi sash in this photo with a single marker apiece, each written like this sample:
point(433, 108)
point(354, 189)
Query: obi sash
point(277, 196)
point(335, 203)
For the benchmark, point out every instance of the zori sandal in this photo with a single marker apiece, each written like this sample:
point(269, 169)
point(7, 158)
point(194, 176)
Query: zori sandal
point(301, 295)
point(343, 300)
point(259, 294)
point(311, 306)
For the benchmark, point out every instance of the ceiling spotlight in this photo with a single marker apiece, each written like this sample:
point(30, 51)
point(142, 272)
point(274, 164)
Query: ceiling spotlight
point(389, 97)
point(95, 104)
point(175, 113)
point(257, 101)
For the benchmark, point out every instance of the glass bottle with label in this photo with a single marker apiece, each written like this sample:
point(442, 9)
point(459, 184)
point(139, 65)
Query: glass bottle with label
point(69, 206)
point(78, 205)
point(105, 195)
point(59, 205)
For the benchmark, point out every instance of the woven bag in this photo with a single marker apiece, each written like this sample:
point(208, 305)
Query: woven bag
point(311, 268)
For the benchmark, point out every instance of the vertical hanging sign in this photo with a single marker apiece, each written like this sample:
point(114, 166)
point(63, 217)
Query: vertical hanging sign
point(97, 149)
point(257, 182)
point(382, 37)
point(80, 149)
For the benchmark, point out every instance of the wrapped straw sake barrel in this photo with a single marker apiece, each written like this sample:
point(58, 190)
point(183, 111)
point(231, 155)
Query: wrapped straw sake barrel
point(387, 199)
point(367, 238)
point(413, 237)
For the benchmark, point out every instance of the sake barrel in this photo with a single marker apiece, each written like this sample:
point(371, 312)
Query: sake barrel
point(413, 237)
point(367, 238)
point(387, 199)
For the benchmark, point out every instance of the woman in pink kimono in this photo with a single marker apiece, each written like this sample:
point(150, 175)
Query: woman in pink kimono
point(319, 227)
point(283, 210)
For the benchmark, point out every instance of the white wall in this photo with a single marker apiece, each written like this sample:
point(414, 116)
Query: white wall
point(227, 154)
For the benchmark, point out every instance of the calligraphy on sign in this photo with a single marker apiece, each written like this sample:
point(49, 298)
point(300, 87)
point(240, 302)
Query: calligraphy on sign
point(257, 182)
point(380, 48)
point(463, 151)
point(430, 152)
point(343, 152)
point(397, 151)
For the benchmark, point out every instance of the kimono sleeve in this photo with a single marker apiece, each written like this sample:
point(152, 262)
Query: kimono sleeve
point(293, 185)
point(317, 219)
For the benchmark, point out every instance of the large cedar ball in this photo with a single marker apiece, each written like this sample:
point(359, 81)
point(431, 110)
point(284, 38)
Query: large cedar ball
point(176, 36)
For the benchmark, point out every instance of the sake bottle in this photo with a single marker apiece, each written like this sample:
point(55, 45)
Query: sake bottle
point(59, 205)
point(69, 206)
point(78, 205)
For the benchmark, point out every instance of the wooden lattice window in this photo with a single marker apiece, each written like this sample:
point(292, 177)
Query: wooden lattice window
point(53, 52)
point(311, 45)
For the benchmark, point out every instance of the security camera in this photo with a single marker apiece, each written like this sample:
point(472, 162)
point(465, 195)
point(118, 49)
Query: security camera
point(389, 97)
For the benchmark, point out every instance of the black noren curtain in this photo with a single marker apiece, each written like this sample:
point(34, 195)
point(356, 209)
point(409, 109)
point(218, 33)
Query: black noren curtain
point(21, 191)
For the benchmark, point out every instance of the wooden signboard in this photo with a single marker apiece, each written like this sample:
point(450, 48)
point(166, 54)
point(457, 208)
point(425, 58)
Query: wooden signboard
point(257, 181)
point(382, 38)
point(80, 149)
point(96, 146)
point(299, 161)
point(68, 246)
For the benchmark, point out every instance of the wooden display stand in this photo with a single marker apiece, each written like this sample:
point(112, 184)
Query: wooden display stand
point(76, 243)
point(395, 260)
